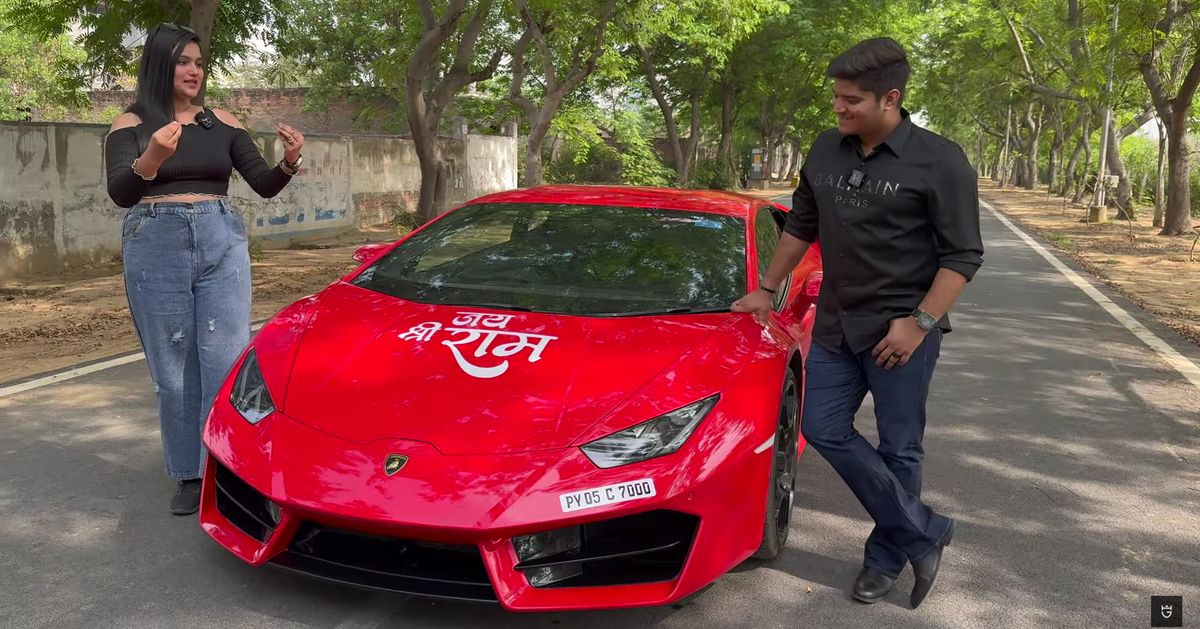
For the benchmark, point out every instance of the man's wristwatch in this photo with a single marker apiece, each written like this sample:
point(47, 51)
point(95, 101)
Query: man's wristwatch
point(924, 320)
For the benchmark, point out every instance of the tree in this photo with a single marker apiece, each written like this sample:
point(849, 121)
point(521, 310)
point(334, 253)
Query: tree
point(37, 75)
point(381, 48)
point(225, 28)
point(568, 39)
point(430, 85)
point(682, 47)
point(1175, 29)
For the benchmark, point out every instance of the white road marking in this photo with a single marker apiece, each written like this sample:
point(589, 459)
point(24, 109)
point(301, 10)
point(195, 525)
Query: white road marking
point(766, 445)
point(1185, 367)
point(70, 373)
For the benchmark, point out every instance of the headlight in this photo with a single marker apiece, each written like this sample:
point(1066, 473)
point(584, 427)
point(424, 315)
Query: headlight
point(647, 440)
point(249, 396)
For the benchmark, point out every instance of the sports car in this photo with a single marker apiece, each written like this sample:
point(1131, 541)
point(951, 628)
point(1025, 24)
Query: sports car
point(539, 399)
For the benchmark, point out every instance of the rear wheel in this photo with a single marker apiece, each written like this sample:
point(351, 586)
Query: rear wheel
point(782, 487)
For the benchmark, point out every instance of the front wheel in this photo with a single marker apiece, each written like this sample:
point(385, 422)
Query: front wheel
point(782, 487)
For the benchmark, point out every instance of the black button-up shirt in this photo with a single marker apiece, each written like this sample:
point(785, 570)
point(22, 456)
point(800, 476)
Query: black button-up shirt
point(915, 210)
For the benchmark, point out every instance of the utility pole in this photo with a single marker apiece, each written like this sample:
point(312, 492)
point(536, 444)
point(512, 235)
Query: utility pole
point(1098, 213)
point(1004, 153)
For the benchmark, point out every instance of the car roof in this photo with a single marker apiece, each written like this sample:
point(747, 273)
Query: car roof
point(710, 201)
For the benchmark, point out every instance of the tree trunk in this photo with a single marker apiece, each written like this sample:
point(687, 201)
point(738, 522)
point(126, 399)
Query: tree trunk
point(725, 148)
point(557, 87)
point(1174, 112)
point(1160, 179)
point(429, 156)
point(204, 13)
point(1035, 137)
point(785, 149)
point(1005, 154)
point(979, 148)
point(998, 163)
point(1081, 184)
point(1178, 219)
point(539, 126)
point(660, 97)
point(1080, 146)
point(693, 143)
point(1055, 158)
point(797, 158)
point(425, 110)
point(1020, 173)
point(1116, 166)
point(1056, 148)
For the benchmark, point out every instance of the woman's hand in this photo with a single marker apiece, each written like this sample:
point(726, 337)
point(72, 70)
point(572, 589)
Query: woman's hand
point(292, 140)
point(162, 146)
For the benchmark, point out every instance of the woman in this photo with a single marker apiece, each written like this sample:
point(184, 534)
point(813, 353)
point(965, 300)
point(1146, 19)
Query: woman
point(187, 264)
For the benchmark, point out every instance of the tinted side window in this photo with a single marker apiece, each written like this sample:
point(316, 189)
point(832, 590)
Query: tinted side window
point(767, 235)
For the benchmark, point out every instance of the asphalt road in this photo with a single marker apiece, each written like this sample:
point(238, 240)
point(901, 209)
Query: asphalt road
point(1067, 449)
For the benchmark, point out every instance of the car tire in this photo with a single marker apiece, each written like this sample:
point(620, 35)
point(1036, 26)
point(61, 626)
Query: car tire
point(782, 486)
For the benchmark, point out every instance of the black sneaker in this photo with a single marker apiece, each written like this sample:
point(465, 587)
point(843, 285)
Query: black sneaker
point(186, 500)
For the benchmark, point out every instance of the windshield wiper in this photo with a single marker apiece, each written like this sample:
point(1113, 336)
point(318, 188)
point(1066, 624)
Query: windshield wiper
point(669, 311)
point(487, 305)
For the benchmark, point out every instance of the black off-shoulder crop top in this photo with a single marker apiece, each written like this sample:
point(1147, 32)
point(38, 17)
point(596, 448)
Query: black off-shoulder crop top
point(203, 161)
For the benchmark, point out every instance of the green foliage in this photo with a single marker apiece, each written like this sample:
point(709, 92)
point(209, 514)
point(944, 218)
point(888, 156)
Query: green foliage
point(626, 156)
point(37, 75)
point(106, 31)
point(640, 165)
point(713, 175)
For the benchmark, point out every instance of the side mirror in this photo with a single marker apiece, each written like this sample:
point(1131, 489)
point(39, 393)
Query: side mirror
point(807, 295)
point(368, 252)
point(812, 284)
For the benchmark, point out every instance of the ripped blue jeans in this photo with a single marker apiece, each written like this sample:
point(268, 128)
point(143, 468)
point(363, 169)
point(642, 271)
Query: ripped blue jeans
point(187, 277)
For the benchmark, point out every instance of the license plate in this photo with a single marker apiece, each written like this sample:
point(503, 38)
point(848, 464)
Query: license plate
point(607, 495)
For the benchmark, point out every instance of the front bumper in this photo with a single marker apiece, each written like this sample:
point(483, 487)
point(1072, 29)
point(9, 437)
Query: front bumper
point(284, 493)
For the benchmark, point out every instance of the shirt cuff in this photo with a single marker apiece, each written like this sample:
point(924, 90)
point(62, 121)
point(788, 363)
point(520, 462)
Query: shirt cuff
point(965, 269)
point(806, 234)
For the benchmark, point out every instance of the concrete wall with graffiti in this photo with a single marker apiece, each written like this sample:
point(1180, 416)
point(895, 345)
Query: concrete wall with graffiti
point(55, 212)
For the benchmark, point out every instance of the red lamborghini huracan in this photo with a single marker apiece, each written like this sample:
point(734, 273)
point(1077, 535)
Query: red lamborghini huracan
point(540, 399)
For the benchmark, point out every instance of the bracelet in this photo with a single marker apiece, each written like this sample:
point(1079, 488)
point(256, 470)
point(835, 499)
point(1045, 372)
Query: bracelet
point(291, 168)
point(133, 167)
point(773, 292)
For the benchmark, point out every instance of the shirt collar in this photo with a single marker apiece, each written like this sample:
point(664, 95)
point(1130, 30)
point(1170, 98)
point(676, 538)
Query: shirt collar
point(896, 140)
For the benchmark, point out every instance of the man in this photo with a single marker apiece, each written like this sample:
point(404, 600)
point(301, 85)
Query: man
point(897, 211)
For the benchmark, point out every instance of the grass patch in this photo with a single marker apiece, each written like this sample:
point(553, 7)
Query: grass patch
point(1062, 241)
point(256, 250)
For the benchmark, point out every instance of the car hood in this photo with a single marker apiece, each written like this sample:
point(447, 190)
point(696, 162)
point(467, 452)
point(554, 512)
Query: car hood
point(472, 380)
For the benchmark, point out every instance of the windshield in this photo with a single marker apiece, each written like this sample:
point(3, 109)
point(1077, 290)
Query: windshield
point(569, 259)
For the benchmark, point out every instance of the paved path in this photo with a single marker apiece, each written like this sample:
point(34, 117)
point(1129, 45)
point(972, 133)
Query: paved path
point(1066, 447)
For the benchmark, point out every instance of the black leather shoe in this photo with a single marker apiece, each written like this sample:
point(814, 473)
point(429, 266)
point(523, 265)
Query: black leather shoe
point(926, 569)
point(186, 500)
point(872, 585)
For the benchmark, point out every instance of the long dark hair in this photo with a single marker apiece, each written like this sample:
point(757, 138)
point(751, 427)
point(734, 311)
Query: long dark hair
point(155, 101)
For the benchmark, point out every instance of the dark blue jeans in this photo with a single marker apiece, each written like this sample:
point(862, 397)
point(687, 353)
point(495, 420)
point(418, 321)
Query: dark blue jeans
point(187, 277)
point(887, 479)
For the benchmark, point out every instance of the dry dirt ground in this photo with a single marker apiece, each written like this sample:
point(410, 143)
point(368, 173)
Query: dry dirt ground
point(1153, 271)
point(54, 321)
point(57, 320)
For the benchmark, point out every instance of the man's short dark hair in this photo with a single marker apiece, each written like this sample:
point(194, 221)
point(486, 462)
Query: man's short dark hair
point(876, 65)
